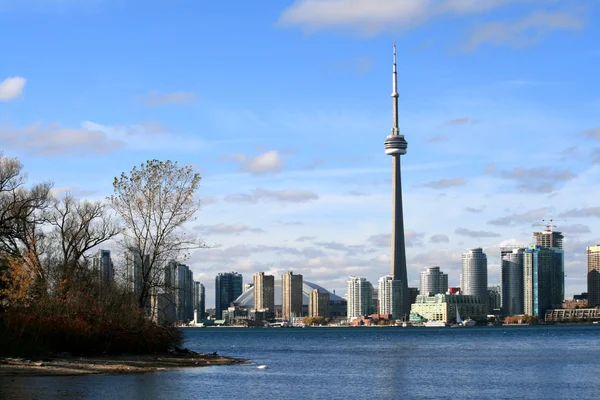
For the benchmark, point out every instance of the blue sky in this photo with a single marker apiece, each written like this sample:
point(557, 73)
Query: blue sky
point(283, 107)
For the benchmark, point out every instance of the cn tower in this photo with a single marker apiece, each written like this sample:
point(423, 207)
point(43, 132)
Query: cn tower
point(395, 146)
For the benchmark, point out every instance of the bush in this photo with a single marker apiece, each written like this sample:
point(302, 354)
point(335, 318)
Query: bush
point(81, 324)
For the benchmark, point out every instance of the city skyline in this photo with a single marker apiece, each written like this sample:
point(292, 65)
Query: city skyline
point(501, 116)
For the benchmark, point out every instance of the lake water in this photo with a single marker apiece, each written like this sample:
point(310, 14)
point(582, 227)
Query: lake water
point(550, 362)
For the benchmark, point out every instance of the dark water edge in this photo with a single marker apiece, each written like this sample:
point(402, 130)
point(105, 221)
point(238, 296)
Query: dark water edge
point(531, 362)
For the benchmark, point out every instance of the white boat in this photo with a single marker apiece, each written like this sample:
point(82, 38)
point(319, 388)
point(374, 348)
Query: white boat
point(435, 324)
point(460, 322)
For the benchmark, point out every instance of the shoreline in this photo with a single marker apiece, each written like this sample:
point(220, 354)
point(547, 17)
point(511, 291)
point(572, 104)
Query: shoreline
point(111, 365)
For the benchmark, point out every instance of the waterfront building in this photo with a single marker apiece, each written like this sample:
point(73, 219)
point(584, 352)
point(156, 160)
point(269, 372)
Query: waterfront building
point(494, 299)
point(395, 146)
point(291, 300)
point(474, 276)
point(442, 307)
point(337, 305)
point(543, 279)
point(164, 301)
point(135, 269)
point(390, 297)
point(432, 281)
point(512, 280)
point(571, 314)
point(593, 276)
point(199, 301)
point(184, 294)
point(318, 304)
point(228, 287)
point(413, 292)
point(360, 297)
point(264, 291)
point(103, 266)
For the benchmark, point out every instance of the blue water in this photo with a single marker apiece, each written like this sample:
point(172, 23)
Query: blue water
point(551, 362)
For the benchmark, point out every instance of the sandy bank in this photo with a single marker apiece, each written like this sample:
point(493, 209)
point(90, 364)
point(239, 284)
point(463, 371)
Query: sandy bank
point(123, 364)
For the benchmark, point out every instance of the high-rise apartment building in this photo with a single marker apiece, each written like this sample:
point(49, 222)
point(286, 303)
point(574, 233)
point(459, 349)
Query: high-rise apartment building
point(264, 292)
point(512, 280)
point(199, 300)
point(135, 269)
point(359, 296)
point(593, 275)
point(318, 304)
point(548, 238)
point(494, 298)
point(228, 287)
point(291, 292)
point(185, 294)
point(543, 279)
point(474, 276)
point(102, 264)
point(433, 281)
point(390, 297)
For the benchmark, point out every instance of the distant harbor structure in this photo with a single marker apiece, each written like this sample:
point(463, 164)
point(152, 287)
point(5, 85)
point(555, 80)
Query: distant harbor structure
point(395, 146)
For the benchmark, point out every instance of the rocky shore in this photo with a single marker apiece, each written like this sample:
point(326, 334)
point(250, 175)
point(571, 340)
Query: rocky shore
point(64, 365)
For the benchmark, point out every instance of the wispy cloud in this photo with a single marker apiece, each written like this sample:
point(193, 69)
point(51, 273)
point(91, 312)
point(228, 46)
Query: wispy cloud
point(461, 121)
point(524, 31)
point(521, 218)
point(12, 88)
point(476, 234)
point(581, 213)
point(283, 196)
point(369, 18)
point(225, 229)
point(445, 183)
point(593, 133)
point(53, 140)
point(439, 238)
point(159, 99)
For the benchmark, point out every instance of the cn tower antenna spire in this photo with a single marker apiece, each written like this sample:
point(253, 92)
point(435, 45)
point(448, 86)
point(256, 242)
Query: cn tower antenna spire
point(395, 129)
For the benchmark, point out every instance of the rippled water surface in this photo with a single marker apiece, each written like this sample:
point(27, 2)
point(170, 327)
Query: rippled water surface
point(553, 362)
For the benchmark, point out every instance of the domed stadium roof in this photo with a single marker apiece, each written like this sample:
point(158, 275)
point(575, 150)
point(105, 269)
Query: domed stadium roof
point(247, 298)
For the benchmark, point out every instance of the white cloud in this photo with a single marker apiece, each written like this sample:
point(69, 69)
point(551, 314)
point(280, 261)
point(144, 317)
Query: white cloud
point(12, 88)
point(268, 162)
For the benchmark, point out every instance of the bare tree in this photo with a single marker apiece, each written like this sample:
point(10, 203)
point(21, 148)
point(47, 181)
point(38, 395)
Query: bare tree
point(155, 201)
point(78, 226)
point(21, 214)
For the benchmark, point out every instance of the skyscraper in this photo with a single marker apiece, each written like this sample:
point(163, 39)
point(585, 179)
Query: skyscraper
point(474, 276)
point(433, 281)
point(543, 279)
point(264, 292)
point(199, 300)
point(318, 304)
point(228, 287)
point(135, 269)
point(291, 292)
point(395, 145)
point(548, 238)
point(390, 297)
point(103, 265)
point(593, 275)
point(360, 297)
point(185, 293)
point(512, 280)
